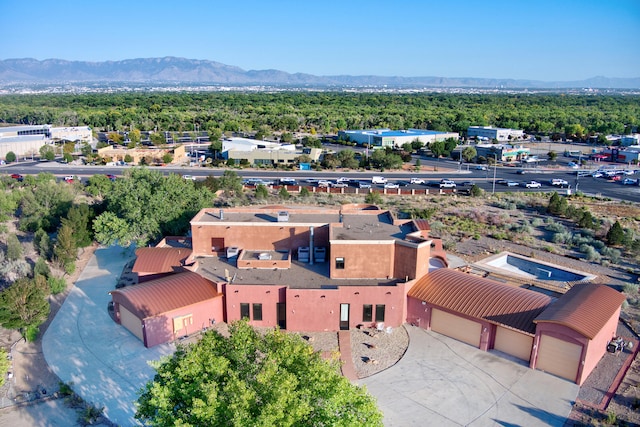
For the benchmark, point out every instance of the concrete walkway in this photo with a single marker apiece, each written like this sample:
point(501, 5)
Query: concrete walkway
point(106, 364)
point(344, 342)
point(443, 382)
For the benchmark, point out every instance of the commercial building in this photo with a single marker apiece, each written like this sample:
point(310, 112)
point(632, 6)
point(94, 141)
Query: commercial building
point(265, 152)
point(330, 269)
point(503, 152)
point(382, 138)
point(27, 140)
point(488, 133)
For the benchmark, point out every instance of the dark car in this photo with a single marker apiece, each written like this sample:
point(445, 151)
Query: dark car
point(17, 176)
point(111, 177)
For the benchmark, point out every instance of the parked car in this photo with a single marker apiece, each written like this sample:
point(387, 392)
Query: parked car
point(364, 184)
point(343, 179)
point(112, 177)
point(379, 180)
point(597, 174)
point(323, 183)
point(629, 181)
point(254, 182)
point(480, 168)
point(288, 181)
point(447, 183)
point(573, 165)
point(17, 176)
point(628, 172)
point(391, 185)
point(416, 181)
point(511, 184)
point(191, 177)
point(339, 184)
point(557, 182)
point(532, 184)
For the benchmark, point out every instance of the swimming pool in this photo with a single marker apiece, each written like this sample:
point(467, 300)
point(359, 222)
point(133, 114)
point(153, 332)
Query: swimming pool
point(509, 263)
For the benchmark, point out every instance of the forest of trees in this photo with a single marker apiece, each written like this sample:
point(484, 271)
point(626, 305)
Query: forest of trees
point(576, 116)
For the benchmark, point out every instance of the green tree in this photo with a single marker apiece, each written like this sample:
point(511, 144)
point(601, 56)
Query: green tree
point(78, 219)
point(41, 268)
point(557, 205)
point(231, 183)
point(10, 157)
point(65, 249)
point(215, 147)
point(24, 304)
point(167, 158)
point(586, 219)
point(304, 192)
point(615, 235)
point(42, 243)
point(47, 152)
point(109, 230)
point(476, 191)
point(99, 185)
point(373, 198)
point(438, 148)
point(347, 159)
point(250, 379)
point(552, 155)
point(261, 192)
point(5, 364)
point(14, 247)
point(283, 193)
point(469, 153)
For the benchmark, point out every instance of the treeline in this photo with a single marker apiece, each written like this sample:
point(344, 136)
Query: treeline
point(325, 112)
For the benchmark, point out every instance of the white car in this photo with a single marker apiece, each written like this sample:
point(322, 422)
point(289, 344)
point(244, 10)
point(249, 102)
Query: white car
point(391, 185)
point(416, 181)
point(339, 184)
point(364, 184)
point(447, 183)
point(191, 177)
point(573, 165)
point(343, 179)
point(532, 184)
point(629, 181)
point(559, 182)
point(323, 183)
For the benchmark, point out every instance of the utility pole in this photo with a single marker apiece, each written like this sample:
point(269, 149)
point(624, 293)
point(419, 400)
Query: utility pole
point(495, 167)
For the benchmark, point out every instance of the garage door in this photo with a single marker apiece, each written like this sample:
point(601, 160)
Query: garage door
point(559, 357)
point(456, 327)
point(514, 343)
point(131, 322)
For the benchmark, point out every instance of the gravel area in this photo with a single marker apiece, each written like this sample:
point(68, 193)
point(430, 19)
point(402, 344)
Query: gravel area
point(374, 351)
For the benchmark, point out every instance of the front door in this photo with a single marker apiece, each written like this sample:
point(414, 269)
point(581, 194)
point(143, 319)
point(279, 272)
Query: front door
point(344, 317)
point(281, 309)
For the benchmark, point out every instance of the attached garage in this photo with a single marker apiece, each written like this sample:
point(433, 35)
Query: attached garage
point(131, 322)
point(453, 326)
point(559, 357)
point(514, 343)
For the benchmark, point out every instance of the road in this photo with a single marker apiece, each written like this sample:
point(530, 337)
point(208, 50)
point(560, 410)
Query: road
point(445, 169)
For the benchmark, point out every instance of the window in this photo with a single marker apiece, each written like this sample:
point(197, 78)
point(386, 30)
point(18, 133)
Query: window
point(244, 310)
point(339, 263)
point(379, 312)
point(257, 311)
point(367, 313)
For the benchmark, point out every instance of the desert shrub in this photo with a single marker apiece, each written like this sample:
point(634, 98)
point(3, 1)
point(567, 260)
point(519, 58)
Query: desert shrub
point(614, 255)
point(304, 192)
point(630, 288)
point(562, 237)
point(537, 222)
point(500, 235)
point(56, 284)
point(437, 226)
point(505, 204)
point(591, 254)
point(31, 334)
point(556, 227)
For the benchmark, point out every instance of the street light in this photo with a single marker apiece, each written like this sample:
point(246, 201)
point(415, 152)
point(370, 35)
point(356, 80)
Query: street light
point(495, 167)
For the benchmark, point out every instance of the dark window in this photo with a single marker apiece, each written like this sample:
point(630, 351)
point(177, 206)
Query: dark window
point(379, 312)
point(339, 263)
point(257, 311)
point(367, 313)
point(244, 310)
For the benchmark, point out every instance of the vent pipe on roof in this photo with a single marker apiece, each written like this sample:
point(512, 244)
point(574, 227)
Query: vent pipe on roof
point(311, 245)
point(221, 215)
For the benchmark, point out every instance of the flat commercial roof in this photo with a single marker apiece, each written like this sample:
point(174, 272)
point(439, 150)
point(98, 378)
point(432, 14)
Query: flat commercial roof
point(299, 276)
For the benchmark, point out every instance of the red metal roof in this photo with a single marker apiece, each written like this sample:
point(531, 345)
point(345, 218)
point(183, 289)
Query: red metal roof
point(481, 298)
point(422, 224)
point(585, 308)
point(169, 293)
point(159, 260)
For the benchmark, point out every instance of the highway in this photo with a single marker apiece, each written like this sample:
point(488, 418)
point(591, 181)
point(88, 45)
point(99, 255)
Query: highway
point(445, 169)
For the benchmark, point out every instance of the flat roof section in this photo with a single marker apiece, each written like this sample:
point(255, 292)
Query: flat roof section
point(299, 276)
point(296, 216)
point(370, 227)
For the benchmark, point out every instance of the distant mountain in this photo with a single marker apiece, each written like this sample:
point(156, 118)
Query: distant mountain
point(193, 71)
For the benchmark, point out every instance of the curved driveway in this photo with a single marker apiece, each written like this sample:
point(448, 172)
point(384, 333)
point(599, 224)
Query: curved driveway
point(439, 381)
point(106, 364)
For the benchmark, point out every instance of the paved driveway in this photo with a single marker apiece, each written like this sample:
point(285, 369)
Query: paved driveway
point(443, 382)
point(106, 363)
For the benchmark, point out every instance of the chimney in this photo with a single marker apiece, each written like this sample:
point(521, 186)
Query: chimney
point(221, 215)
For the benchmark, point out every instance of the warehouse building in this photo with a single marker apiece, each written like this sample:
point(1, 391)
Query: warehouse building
point(382, 138)
point(26, 141)
point(265, 153)
point(488, 133)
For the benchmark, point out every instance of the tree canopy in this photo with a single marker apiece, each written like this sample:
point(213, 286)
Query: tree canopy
point(249, 379)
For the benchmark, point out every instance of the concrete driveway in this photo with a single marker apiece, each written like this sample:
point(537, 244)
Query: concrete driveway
point(106, 364)
point(443, 382)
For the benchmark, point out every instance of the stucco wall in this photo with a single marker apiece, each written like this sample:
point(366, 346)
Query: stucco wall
point(279, 236)
point(363, 259)
point(159, 329)
point(267, 295)
point(597, 347)
point(563, 333)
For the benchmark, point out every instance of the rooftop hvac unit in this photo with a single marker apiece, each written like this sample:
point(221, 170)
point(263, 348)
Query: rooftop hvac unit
point(283, 216)
point(303, 254)
point(232, 252)
point(319, 254)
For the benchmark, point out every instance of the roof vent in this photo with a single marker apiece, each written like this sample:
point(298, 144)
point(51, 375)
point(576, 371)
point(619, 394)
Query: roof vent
point(283, 216)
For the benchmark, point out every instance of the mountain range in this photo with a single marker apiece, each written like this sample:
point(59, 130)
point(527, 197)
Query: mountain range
point(193, 71)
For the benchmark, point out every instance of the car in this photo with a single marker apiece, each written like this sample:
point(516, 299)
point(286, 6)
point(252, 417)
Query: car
point(191, 177)
point(111, 177)
point(466, 183)
point(416, 181)
point(480, 168)
point(339, 184)
point(379, 180)
point(343, 179)
point(502, 181)
point(532, 184)
point(629, 181)
point(254, 182)
point(511, 184)
point(597, 174)
point(17, 176)
point(573, 165)
point(521, 171)
point(447, 183)
point(364, 184)
point(288, 181)
point(323, 183)
point(391, 185)
point(628, 172)
point(71, 178)
point(557, 182)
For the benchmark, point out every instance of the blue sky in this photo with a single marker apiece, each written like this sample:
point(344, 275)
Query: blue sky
point(542, 40)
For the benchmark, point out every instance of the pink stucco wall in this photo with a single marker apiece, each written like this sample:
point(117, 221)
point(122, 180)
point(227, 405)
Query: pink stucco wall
point(267, 295)
point(159, 329)
point(565, 334)
point(597, 347)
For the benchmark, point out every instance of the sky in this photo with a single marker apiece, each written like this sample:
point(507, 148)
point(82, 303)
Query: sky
point(548, 40)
